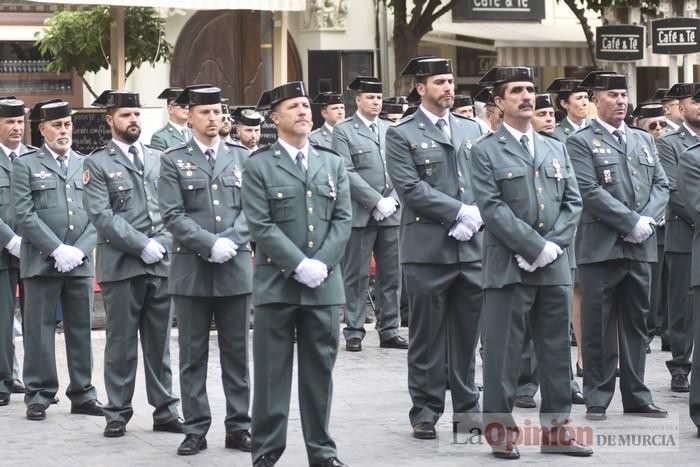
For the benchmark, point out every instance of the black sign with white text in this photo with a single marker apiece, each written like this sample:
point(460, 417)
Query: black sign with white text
point(498, 10)
point(675, 36)
point(619, 43)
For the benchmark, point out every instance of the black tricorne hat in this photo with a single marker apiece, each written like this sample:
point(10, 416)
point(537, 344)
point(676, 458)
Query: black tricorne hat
point(682, 90)
point(10, 107)
point(366, 84)
point(199, 94)
point(169, 94)
point(281, 93)
point(543, 101)
point(462, 101)
point(506, 74)
point(565, 85)
point(112, 99)
point(51, 109)
point(660, 96)
point(430, 65)
point(603, 81)
point(485, 96)
point(328, 98)
point(649, 110)
point(247, 116)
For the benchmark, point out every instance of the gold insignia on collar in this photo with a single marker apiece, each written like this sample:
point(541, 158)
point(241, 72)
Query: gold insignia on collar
point(595, 142)
point(355, 125)
point(112, 150)
point(189, 148)
point(278, 152)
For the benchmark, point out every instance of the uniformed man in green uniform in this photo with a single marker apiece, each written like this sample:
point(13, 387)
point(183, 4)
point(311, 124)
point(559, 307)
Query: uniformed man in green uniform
point(247, 123)
point(679, 236)
point(133, 256)
point(12, 114)
point(360, 139)
point(55, 263)
point(176, 130)
point(440, 246)
point(572, 99)
point(211, 270)
point(687, 185)
point(624, 193)
point(333, 112)
point(297, 201)
point(463, 106)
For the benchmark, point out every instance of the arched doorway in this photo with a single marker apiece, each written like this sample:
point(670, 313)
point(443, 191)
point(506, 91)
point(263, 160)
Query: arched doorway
point(231, 49)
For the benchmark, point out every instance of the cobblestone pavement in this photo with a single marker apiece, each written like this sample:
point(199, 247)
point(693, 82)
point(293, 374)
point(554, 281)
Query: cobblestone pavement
point(369, 423)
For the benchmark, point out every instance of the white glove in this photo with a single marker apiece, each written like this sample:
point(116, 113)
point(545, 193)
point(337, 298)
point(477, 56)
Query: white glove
point(522, 264)
point(13, 246)
point(461, 232)
point(386, 206)
point(311, 272)
point(152, 252)
point(470, 216)
point(223, 250)
point(378, 216)
point(67, 257)
point(641, 231)
point(549, 253)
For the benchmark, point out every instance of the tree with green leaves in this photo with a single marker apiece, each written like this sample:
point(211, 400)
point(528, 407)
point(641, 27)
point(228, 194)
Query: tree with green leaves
point(80, 40)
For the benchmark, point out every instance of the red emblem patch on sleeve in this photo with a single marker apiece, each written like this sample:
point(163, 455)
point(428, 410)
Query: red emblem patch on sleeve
point(86, 176)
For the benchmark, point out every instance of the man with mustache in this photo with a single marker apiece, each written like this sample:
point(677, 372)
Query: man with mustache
point(55, 263)
point(524, 186)
point(297, 201)
point(427, 157)
point(176, 131)
point(679, 235)
point(624, 193)
point(210, 270)
point(12, 113)
point(375, 220)
point(133, 256)
point(248, 123)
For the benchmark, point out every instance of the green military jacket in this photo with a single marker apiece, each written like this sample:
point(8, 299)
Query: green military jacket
point(321, 137)
point(199, 205)
point(617, 186)
point(524, 202)
point(432, 177)
point(8, 226)
point(49, 210)
point(293, 217)
point(679, 223)
point(364, 153)
point(168, 137)
point(122, 204)
point(688, 182)
point(563, 130)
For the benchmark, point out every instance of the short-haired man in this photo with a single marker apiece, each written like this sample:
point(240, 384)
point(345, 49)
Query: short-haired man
point(333, 112)
point(175, 131)
point(624, 192)
point(133, 257)
point(463, 106)
point(248, 123)
point(55, 263)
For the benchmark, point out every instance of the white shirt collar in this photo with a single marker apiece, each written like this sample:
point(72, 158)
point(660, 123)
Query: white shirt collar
point(434, 118)
point(329, 128)
point(609, 128)
point(203, 147)
point(292, 151)
point(367, 122)
point(179, 128)
point(517, 134)
point(575, 126)
point(688, 129)
point(56, 156)
point(672, 125)
point(125, 149)
point(7, 150)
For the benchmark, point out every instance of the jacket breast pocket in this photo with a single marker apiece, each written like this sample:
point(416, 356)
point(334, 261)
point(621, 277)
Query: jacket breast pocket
point(608, 172)
point(360, 156)
point(558, 177)
point(282, 200)
point(44, 193)
point(121, 193)
point(647, 165)
point(231, 191)
point(429, 164)
point(326, 201)
point(78, 185)
point(4, 191)
point(512, 183)
point(193, 192)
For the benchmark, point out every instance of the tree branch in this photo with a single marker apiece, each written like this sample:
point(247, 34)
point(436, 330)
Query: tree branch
point(87, 85)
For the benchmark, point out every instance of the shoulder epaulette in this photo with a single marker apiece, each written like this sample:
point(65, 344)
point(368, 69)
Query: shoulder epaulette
point(31, 151)
point(97, 149)
point(483, 137)
point(234, 144)
point(405, 119)
point(259, 150)
point(172, 148)
point(323, 148)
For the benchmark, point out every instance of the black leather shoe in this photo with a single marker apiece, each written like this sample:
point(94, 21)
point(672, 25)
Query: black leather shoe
point(596, 413)
point(665, 345)
point(579, 371)
point(699, 432)
point(508, 451)
point(18, 387)
point(239, 440)
point(36, 412)
point(92, 407)
point(368, 320)
point(577, 398)
point(54, 401)
point(4, 398)
point(331, 462)
point(679, 383)
point(354, 344)
point(265, 461)
point(525, 402)
point(115, 429)
point(192, 445)
point(396, 342)
point(650, 411)
point(563, 444)
point(425, 430)
point(171, 426)
point(648, 349)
